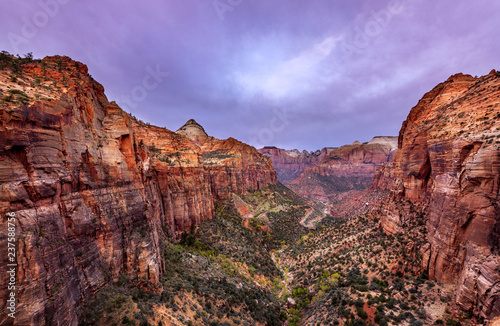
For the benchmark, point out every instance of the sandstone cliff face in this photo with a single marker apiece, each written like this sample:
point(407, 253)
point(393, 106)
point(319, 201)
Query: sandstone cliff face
point(289, 164)
point(384, 176)
point(447, 170)
point(94, 190)
point(236, 167)
point(350, 167)
point(231, 166)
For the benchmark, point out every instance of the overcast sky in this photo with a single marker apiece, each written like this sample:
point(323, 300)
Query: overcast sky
point(299, 74)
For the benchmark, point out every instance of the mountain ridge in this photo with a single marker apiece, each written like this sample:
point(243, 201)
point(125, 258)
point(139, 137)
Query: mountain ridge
point(95, 190)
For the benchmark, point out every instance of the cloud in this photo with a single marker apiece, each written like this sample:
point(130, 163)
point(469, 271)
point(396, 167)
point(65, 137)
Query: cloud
point(295, 77)
point(230, 75)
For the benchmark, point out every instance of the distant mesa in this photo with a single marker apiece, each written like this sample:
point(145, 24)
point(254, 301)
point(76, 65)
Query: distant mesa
point(385, 140)
point(289, 164)
point(347, 168)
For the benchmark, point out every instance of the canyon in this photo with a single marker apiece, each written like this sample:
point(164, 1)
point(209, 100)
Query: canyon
point(95, 191)
point(101, 196)
point(349, 167)
point(442, 172)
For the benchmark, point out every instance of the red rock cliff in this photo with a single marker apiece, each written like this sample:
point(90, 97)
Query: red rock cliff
point(350, 167)
point(289, 165)
point(94, 190)
point(232, 166)
point(447, 169)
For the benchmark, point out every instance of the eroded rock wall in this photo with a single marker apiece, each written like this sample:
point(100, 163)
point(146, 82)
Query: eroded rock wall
point(94, 190)
point(447, 171)
point(350, 167)
point(290, 164)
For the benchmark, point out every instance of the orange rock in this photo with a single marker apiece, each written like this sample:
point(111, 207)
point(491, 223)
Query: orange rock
point(289, 164)
point(95, 191)
point(350, 167)
point(448, 168)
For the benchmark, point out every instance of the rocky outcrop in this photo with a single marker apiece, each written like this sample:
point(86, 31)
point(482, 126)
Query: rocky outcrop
point(94, 190)
point(193, 131)
point(235, 167)
point(289, 164)
point(350, 167)
point(384, 176)
point(232, 166)
point(447, 170)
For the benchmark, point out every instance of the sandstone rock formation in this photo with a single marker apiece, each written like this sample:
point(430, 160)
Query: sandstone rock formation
point(94, 190)
point(350, 167)
point(289, 164)
point(193, 131)
point(447, 172)
point(232, 166)
point(235, 167)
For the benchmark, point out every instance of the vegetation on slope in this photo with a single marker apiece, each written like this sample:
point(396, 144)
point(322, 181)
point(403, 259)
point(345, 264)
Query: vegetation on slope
point(357, 275)
point(265, 268)
point(221, 274)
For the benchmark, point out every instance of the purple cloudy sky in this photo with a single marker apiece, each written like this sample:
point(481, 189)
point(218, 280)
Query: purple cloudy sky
point(292, 73)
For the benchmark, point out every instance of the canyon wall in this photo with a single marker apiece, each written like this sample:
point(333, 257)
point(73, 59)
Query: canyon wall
point(350, 167)
point(289, 164)
point(447, 172)
point(232, 166)
point(94, 190)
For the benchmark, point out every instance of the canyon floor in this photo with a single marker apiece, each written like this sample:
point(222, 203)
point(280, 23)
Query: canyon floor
point(256, 264)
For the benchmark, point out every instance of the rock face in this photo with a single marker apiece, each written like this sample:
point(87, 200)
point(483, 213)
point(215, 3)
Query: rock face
point(289, 164)
point(232, 166)
point(447, 170)
point(193, 131)
point(384, 176)
point(235, 167)
point(350, 167)
point(94, 190)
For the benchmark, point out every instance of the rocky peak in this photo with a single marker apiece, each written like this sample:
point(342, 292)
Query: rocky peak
point(459, 77)
point(390, 141)
point(194, 131)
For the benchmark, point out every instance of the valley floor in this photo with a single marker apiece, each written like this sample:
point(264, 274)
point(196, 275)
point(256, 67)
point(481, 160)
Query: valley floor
point(256, 263)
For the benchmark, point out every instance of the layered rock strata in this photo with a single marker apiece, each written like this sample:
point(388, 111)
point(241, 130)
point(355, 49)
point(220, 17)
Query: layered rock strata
point(350, 167)
point(232, 166)
point(289, 164)
point(95, 190)
point(447, 172)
